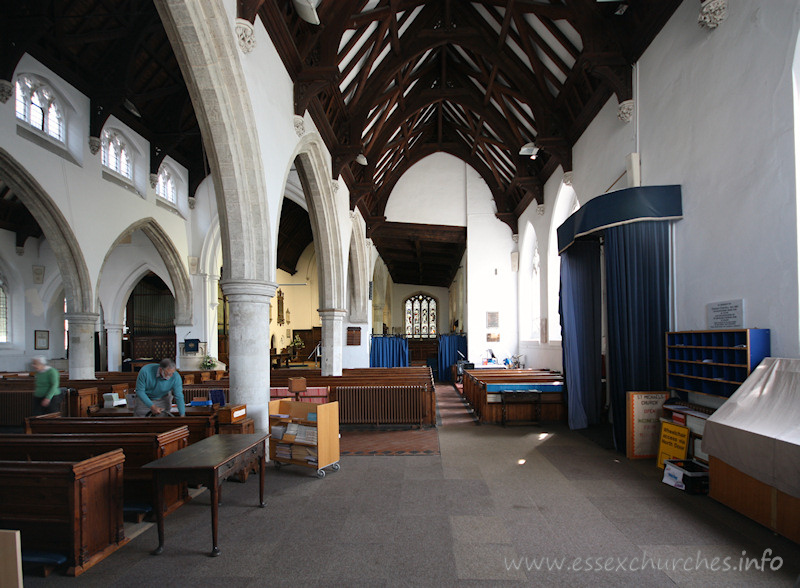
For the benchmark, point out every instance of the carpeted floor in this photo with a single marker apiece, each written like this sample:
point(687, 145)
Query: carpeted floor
point(523, 506)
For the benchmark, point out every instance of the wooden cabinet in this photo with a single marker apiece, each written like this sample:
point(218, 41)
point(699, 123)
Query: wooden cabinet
point(305, 434)
point(713, 362)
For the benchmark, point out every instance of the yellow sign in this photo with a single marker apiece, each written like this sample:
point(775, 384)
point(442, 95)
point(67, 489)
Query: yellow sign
point(674, 443)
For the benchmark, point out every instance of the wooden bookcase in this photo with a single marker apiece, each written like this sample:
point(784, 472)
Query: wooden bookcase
point(713, 362)
point(323, 418)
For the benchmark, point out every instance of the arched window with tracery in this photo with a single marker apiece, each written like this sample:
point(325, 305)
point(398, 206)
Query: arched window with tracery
point(165, 187)
point(420, 316)
point(36, 104)
point(115, 154)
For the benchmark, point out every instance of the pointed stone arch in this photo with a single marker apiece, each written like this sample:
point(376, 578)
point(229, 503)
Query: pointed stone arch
point(178, 276)
point(358, 271)
point(67, 251)
point(202, 37)
point(312, 169)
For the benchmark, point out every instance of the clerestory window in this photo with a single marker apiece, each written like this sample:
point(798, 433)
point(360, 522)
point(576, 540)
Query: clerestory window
point(36, 104)
point(165, 187)
point(115, 154)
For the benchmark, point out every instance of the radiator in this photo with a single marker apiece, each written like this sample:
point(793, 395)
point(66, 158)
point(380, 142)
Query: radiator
point(15, 406)
point(381, 405)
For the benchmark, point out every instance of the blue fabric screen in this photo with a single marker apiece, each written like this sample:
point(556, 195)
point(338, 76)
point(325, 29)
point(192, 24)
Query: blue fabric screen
point(449, 346)
point(581, 328)
point(388, 352)
point(637, 286)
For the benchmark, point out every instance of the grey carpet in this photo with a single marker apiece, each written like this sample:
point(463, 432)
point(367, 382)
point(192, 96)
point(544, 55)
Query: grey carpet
point(459, 519)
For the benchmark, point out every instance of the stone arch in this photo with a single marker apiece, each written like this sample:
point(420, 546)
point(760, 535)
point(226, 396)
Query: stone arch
point(312, 169)
point(202, 37)
point(358, 271)
point(178, 276)
point(67, 251)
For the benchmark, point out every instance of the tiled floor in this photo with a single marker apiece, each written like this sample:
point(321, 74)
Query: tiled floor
point(452, 411)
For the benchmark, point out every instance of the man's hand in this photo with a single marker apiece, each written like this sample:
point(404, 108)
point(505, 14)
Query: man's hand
point(155, 409)
point(45, 402)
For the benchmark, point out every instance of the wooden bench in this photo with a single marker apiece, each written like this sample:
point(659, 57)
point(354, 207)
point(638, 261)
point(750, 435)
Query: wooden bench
point(361, 392)
point(73, 508)
point(483, 390)
point(139, 449)
point(200, 426)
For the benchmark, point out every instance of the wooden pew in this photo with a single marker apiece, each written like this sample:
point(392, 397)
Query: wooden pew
point(552, 407)
point(365, 390)
point(139, 449)
point(73, 508)
point(200, 426)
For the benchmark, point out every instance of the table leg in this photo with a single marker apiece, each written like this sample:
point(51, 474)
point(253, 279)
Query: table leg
point(214, 516)
point(261, 468)
point(159, 488)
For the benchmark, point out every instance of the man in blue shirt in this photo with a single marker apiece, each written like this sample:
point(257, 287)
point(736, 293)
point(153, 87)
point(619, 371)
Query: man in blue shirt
point(156, 385)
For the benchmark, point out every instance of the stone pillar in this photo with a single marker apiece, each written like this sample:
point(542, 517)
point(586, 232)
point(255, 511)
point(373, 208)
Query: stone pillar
point(211, 284)
point(248, 346)
point(114, 347)
point(332, 340)
point(81, 344)
point(377, 319)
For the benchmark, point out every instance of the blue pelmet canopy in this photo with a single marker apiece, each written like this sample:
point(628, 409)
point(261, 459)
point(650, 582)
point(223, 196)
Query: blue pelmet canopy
point(630, 205)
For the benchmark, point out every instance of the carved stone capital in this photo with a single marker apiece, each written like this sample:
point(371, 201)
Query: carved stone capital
point(540, 209)
point(515, 237)
point(20, 251)
point(6, 90)
point(192, 202)
point(335, 186)
point(625, 111)
point(299, 125)
point(712, 13)
point(246, 34)
point(153, 180)
point(568, 178)
point(94, 145)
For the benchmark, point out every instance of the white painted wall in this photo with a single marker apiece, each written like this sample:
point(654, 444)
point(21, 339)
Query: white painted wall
point(716, 117)
point(491, 285)
point(431, 192)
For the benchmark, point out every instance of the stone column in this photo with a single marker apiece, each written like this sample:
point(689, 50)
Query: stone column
point(332, 340)
point(248, 346)
point(81, 344)
point(377, 319)
point(114, 347)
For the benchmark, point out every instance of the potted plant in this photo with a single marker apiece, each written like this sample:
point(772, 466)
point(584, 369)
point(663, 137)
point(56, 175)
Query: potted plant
point(208, 363)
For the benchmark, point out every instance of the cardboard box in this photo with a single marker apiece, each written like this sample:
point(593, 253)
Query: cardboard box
point(297, 384)
point(232, 413)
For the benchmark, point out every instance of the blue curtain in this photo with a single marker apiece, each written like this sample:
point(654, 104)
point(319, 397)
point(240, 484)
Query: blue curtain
point(581, 332)
point(449, 346)
point(388, 352)
point(637, 285)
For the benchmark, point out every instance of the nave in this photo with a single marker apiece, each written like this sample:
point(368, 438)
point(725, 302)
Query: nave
point(458, 518)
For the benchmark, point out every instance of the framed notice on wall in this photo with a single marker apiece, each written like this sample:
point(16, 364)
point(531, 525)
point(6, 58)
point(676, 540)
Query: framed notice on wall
point(643, 418)
point(41, 339)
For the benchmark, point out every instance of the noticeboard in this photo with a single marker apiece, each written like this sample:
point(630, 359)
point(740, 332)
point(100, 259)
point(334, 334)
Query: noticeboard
point(643, 417)
point(674, 443)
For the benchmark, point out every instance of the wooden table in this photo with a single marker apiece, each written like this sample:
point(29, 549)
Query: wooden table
point(208, 462)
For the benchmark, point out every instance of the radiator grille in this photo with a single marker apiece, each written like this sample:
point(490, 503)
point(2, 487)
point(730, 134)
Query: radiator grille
point(15, 406)
point(381, 405)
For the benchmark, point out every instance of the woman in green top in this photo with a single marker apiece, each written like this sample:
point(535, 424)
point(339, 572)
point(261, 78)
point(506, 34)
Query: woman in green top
point(47, 395)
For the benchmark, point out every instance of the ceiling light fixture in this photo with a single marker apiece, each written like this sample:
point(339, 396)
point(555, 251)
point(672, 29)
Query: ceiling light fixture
point(307, 10)
point(361, 159)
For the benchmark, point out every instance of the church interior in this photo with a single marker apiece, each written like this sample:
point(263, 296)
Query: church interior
point(470, 292)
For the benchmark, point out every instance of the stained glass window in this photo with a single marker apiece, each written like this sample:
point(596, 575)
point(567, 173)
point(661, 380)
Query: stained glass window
point(420, 316)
